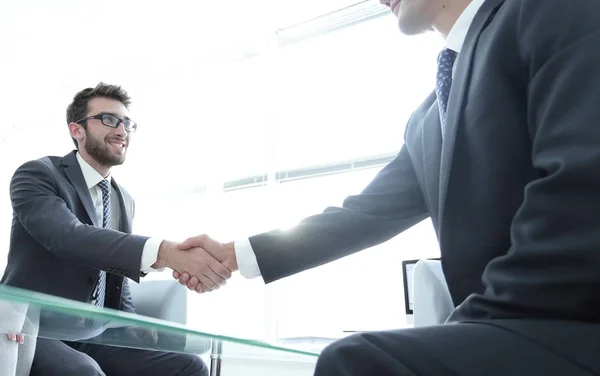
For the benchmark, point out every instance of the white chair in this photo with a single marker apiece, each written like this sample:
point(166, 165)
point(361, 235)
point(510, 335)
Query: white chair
point(16, 360)
point(432, 303)
point(165, 300)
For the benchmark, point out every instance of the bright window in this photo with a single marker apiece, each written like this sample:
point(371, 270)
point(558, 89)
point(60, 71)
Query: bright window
point(207, 119)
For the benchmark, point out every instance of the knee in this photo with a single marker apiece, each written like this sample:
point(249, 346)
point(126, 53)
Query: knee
point(87, 369)
point(336, 355)
point(195, 367)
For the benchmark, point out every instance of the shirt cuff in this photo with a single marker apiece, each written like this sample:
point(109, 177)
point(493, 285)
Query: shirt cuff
point(246, 259)
point(150, 255)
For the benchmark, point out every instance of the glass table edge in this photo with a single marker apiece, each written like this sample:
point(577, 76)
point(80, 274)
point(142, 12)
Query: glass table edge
point(67, 306)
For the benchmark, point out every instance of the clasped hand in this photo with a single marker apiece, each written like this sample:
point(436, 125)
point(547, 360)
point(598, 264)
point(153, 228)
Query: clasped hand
point(200, 263)
point(16, 337)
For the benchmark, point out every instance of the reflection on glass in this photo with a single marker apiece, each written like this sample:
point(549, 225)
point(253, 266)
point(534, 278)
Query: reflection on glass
point(46, 316)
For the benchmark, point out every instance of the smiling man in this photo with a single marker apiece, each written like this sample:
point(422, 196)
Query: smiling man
point(71, 237)
point(504, 157)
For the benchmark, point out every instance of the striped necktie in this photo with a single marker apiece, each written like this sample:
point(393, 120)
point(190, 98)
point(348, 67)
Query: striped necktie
point(101, 286)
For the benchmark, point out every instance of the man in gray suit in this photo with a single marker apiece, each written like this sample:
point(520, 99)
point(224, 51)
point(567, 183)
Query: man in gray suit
point(71, 237)
point(504, 157)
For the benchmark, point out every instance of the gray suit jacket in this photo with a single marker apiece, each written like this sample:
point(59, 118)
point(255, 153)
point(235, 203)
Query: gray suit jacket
point(513, 189)
point(56, 246)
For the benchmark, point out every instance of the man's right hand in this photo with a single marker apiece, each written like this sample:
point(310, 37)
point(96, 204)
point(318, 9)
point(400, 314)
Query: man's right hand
point(194, 261)
point(225, 253)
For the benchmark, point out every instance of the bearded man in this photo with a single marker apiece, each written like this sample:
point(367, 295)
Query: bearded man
point(71, 237)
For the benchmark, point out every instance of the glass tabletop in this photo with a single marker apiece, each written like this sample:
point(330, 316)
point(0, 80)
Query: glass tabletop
point(39, 315)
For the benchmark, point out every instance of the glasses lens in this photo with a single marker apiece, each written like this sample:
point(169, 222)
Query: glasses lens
point(130, 125)
point(110, 120)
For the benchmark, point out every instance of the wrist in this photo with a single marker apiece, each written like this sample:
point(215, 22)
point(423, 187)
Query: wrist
point(230, 260)
point(165, 254)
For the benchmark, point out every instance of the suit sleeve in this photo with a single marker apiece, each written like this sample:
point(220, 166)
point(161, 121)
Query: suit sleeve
point(390, 204)
point(554, 262)
point(46, 217)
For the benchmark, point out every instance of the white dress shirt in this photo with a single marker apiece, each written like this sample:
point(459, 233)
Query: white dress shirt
point(92, 178)
point(458, 33)
point(246, 259)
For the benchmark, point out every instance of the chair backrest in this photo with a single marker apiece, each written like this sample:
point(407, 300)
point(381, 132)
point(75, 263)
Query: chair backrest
point(432, 301)
point(408, 267)
point(166, 300)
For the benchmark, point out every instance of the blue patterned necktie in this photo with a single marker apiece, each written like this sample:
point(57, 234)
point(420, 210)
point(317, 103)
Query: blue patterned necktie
point(446, 61)
point(101, 287)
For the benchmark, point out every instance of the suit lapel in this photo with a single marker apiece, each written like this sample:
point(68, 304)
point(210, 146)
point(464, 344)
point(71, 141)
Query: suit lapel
point(458, 92)
point(75, 176)
point(125, 225)
point(431, 139)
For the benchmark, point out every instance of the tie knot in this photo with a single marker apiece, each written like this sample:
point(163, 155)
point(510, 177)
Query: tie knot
point(104, 186)
point(446, 59)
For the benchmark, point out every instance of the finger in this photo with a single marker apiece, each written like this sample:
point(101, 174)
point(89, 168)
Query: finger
point(185, 245)
point(184, 279)
point(11, 337)
point(214, 278)
point(200, 288)
point(21, 339)
point(196, 241)
point(176, 274)
point(207, 283)
point(222, 272)
point(192, 283)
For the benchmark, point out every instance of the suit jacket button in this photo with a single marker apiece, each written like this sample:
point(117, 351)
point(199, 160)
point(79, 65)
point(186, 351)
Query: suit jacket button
point(91, 280)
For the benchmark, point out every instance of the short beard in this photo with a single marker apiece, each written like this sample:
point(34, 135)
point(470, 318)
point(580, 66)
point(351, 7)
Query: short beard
point(99, 151)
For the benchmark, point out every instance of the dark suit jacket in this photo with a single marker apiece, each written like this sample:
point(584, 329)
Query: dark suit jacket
point(514, 188)
point(56, 246)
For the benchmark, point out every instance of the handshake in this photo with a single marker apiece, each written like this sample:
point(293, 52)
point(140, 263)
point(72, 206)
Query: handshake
point(200, 263)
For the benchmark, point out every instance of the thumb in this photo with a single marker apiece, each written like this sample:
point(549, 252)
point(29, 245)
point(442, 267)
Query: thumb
point(192, 242)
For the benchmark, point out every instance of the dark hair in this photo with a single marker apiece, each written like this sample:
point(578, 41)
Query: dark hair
point(78, 109)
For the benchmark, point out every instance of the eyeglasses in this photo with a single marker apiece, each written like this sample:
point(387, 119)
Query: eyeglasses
point(113, 121)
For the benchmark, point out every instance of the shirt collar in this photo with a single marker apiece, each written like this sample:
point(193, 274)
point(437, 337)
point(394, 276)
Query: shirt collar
point(458, 33)
point(90, 175)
